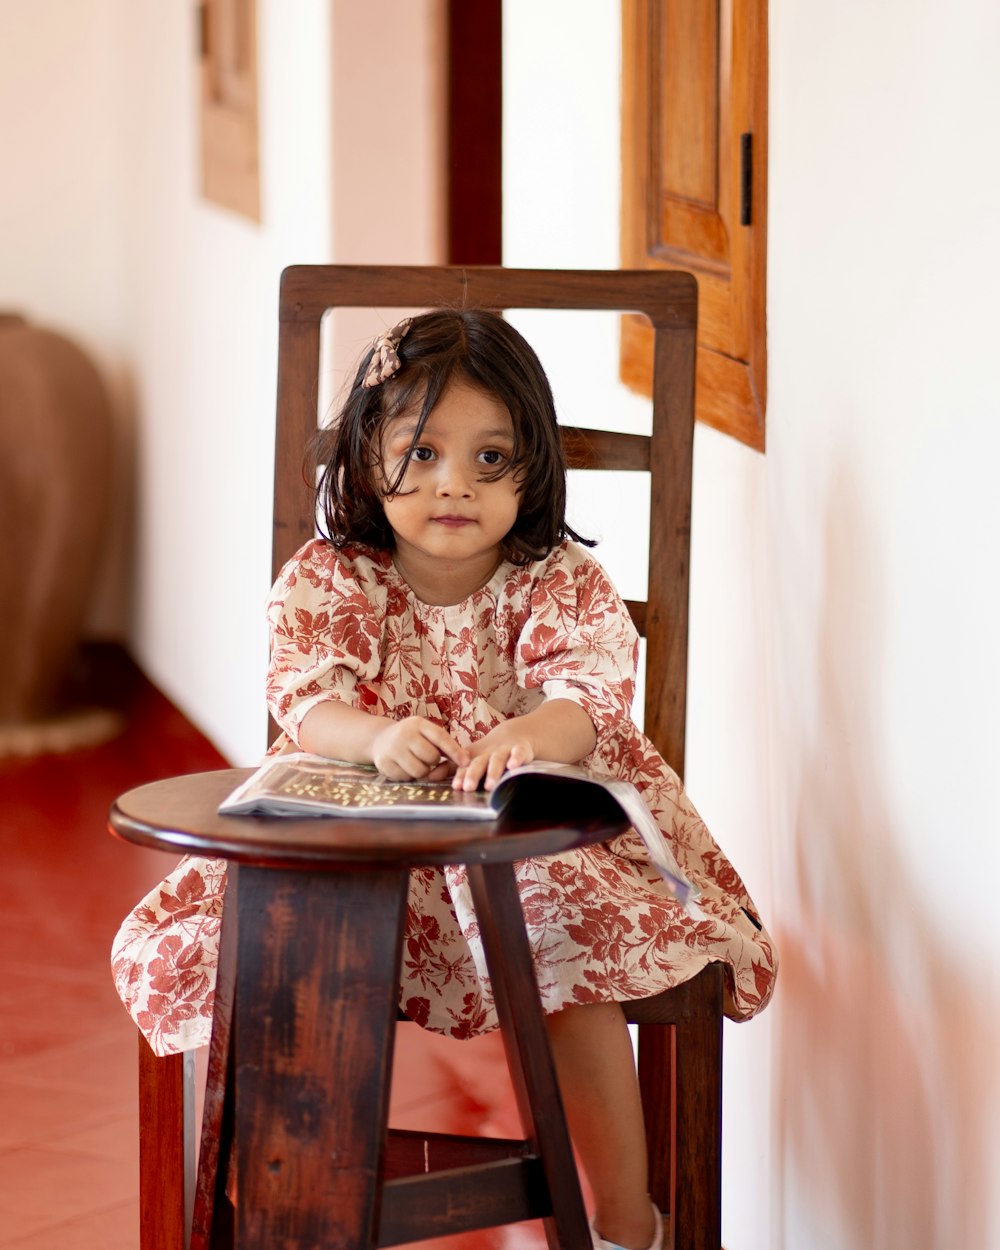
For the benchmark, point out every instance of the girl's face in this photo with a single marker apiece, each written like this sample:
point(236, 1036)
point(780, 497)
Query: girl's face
point(449, 522)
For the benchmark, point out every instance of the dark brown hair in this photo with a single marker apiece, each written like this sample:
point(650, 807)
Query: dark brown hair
point(484, 350)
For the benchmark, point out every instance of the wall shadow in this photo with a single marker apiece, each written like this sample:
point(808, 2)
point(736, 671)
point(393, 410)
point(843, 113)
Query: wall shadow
point(885, 1064)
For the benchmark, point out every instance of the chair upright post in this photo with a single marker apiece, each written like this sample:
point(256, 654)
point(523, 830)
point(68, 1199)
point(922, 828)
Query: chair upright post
point(166, 1149)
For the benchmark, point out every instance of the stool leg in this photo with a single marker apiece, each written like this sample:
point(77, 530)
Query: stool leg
point(526, 1044)
point(314, 1024)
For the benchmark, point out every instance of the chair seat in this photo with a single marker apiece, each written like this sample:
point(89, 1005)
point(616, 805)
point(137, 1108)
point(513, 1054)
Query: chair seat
point(701, 996)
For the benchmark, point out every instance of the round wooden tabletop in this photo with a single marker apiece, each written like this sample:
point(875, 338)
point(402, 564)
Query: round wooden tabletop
point(181, 814)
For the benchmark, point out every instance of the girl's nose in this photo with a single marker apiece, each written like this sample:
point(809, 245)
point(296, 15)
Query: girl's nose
point(453, 482)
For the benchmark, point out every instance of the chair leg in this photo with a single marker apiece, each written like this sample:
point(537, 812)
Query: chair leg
point(657, 1072)
point(698, 1193)
point(680, 1077)
point(166, 1148)
point(176, 1205)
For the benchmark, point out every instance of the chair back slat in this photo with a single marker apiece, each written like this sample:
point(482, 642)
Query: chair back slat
point(669, 301)
point(605, 449)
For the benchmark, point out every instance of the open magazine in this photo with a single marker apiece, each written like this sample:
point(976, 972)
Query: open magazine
point(299, 784)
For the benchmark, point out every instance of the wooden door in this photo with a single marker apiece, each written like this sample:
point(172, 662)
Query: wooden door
point(230, 164)
point(694, 189)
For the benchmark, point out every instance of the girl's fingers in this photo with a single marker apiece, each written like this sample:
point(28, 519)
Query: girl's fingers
point(417, 748)
point(495, 770)
point(519, 755)
point(445, 743)
point(470, 775)
point(487, 768)
point(499, 762)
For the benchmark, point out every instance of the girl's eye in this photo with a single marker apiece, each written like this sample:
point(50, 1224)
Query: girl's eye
point(492, 456)
point(422, 453)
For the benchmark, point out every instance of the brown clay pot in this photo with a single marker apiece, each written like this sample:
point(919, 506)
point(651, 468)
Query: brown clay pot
point(55, 474)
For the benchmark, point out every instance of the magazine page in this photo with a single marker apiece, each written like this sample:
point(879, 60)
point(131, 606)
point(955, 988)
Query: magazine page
point(299, 784)
point(632, 804)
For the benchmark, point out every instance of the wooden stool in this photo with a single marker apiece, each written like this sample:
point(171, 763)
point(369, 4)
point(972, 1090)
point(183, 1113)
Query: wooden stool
point(299, 1065)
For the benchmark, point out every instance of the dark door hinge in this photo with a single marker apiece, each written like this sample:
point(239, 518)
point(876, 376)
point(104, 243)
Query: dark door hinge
point(746, 179)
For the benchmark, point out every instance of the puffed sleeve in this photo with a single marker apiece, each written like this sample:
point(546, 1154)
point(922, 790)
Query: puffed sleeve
point(579, 642)
point(324, 634)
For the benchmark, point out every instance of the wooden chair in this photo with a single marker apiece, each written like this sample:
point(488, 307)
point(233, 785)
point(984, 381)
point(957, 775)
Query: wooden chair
point(680, 1031)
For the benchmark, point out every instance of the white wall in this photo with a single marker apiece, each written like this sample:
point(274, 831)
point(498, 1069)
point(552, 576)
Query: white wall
point(882, 525)
point(202, 297)
point(388, 154)
point(844, 678)
point(209, 316)
point(105, 236)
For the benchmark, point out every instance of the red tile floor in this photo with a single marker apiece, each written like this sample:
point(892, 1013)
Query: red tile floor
point(68, 1102)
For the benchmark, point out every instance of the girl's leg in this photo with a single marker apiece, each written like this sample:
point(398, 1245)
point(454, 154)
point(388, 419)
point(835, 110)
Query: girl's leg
point(596, 1070)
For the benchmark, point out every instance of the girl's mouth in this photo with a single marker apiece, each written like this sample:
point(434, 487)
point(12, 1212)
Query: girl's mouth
point(455, 522)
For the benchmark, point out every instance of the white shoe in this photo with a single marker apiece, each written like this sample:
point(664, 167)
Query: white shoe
point(655, 1244)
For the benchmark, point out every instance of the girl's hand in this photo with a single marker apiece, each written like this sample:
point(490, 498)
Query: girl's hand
point(502, 748)
point(416, 748)
point(557, 729)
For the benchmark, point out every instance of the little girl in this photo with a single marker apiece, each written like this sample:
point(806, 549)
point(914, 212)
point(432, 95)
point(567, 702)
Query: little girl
point(451, 624)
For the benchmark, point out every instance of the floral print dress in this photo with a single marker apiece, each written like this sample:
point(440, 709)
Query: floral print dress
point(344, 625)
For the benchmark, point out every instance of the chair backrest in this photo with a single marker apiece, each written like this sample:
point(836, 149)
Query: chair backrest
point(667, 299)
